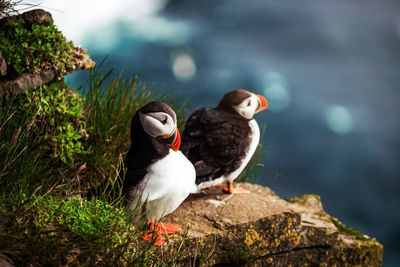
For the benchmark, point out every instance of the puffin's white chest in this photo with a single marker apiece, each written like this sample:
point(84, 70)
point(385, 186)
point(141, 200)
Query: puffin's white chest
point(254, 141)
point(167, 183)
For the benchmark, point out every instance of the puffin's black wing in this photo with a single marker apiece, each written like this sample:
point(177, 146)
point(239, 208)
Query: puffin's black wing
point(133, 177)
point(192, 136)
point(215, 142)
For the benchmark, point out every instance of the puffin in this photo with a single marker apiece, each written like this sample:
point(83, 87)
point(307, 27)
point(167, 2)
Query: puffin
point(221, 141)
point(158, 176)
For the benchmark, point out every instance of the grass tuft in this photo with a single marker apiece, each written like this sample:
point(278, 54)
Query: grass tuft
point(111, 103)
point(8, 7)
point(241, 255)
point(49, 230)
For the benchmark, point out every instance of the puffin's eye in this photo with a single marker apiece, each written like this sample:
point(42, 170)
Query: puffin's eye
point(164, 121)
point(248, 104)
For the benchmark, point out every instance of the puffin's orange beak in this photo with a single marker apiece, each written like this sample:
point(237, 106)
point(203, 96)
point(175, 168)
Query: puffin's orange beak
point(262, 103)
point(176, 143)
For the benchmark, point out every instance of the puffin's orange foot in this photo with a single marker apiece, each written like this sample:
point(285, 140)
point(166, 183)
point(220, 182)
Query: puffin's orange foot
point(169, 228)
point(235, 190)
point(157, 238)
point(218, 185)
point(158, 229)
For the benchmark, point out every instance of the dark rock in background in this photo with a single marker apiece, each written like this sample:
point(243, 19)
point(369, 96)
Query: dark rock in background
point(25, 82)
point(29, 81)
point(36, 16)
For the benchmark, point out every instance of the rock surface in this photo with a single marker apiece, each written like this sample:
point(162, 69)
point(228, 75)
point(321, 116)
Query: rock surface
point(5, 261)
point(36, 16)
point(262, 229)
point(29, 81)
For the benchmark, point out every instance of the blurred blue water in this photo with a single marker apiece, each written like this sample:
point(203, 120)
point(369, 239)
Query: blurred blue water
point(331, 71)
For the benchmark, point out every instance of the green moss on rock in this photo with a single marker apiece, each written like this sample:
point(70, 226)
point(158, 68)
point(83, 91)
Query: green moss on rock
point(34, 47)
point(348, 230)
point(57, 111)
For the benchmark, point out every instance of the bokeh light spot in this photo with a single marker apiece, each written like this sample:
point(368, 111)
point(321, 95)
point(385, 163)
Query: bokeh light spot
point(183, 66)
point(276, 91)
point(339, 119)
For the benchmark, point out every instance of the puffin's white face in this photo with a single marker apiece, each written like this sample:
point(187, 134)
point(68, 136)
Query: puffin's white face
point(248, 107)
point(158, 124)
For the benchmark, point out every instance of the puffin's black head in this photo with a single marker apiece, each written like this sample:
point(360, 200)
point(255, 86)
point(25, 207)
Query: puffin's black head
point(158, 120)
point(243, 103)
